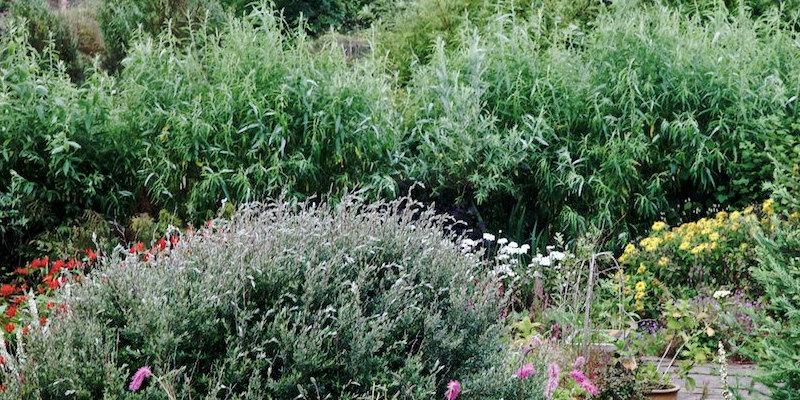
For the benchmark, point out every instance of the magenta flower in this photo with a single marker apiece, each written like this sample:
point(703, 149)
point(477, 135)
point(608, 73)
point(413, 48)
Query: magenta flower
point(552, 381)
point(525, 371)
point(453, 388)
point(139, 377)
point(579, 362)
point(584, 382)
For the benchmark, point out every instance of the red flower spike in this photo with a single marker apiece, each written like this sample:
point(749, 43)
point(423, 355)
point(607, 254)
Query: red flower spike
point(43, 321)
point(11, 311)
point(162, 243)
point(7, 290)
point(10, 327)
point(91, 254)
point(26, 329)
point(51, 305)
point(173, 240)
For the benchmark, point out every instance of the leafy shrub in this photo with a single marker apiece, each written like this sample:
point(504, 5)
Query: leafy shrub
point(57, 159)
point(648, 113)
point(779, 348)
point(250, 112)
point(282, 300)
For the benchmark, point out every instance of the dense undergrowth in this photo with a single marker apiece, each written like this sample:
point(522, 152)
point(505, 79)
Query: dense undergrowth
point(637, 112)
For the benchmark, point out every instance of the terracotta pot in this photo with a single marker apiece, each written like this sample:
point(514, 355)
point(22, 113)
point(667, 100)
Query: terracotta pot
point(670, 393)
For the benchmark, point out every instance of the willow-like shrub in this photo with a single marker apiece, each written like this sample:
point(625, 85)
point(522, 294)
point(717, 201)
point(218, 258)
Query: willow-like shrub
point(282, 300)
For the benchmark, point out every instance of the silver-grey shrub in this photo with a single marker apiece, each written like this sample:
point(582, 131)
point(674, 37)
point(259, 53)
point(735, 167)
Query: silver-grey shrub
point(281, 300)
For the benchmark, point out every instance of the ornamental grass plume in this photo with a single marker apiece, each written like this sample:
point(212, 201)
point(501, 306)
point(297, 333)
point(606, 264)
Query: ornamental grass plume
point(453, 388)
point(139, 377)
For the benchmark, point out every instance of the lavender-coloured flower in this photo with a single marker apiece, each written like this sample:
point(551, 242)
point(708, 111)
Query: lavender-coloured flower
point(139, 377)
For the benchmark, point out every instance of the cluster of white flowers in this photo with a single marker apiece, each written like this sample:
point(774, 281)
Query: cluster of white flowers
point(553, 257)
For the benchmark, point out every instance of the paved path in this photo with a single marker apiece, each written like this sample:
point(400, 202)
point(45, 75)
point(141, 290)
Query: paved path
point(709, 386)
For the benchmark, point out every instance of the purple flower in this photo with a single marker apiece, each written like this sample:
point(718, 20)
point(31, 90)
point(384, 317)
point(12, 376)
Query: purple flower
point(525, 371)
point(139, 377)
point(584, 382)
point(579, 362)
point(453, 388)
point(553, 372)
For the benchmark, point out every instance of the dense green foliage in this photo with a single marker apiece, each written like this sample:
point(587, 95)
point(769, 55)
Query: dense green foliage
point(779, 274)
point(283, 300)
point(534, 118)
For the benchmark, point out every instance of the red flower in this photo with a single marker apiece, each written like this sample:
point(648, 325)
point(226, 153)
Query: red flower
point(7, 290)
point(19, 299)
point(91, 254)
point(162, 243)
point(43, 320)
point(173, 240)
point(51, 305)
point(10, 327)
point(21, 271)
point(26, 329)
point(11, 312)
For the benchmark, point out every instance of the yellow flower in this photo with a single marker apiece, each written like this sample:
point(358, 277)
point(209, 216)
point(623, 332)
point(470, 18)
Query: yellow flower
point(735, 215)
point(684, 245)
point(794, 215)
point(735, 226)
point(663, 261)
point(642, 268)
point(659, 226)
point(713, 245)
point(650, 243)
point(638, 305)
point(640, 286)
point(630, 249)
point(627, 290)
point(714, 236)
point(669, 236)
point(722, 215)
point(743, 246)
point(639, 295)
point(748, 210)
point(699, 248)
point(767, 206)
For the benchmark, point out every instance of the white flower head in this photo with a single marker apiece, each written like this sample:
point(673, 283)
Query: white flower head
point(502, 241)
point(488, 237)
point(721, 293)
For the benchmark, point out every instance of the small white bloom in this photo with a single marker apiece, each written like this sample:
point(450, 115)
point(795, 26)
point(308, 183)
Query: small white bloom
point(488, 237)
point(557, 255)
point(513, 245)
point(502, 241)
point(545, 261)
point(721, 293)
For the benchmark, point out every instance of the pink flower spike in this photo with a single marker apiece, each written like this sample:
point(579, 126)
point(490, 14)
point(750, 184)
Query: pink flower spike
point(453, 388)
point(584, 382)
point(579, 362)
point(552, 381)
point(525, 371)
point(139, 377)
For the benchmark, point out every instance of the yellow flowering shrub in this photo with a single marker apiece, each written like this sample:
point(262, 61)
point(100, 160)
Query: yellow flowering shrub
point(712, 252)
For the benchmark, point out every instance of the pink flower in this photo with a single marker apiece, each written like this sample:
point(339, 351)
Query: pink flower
point(552, 381)
point(579, 362)
point(453, 388)
point(584, 382)
point(525, 371)
point(139, 377)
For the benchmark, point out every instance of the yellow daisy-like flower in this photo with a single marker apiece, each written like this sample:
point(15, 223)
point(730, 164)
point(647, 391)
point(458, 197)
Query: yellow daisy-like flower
point(743, 246)
point(794, 215)
point(685, 246)
point(659, 226)
point(663, 261)
point(767, 206)
point(640, 286)
point(642, 268)
point(735, 215)
point(638, 305)
point(714, 236)
point(630, 249)
point(699, 248)
point(722, 215)
point(748, 210)
point(639, 295)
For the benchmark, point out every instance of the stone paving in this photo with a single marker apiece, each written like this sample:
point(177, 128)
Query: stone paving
point(709, 386)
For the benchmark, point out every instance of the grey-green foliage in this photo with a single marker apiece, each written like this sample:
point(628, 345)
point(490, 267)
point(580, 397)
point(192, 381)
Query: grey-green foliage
point(250, 110)
point(283, 300)
point(778, 272)
point(612, 126)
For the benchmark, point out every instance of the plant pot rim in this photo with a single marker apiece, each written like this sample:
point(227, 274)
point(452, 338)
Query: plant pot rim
point(671, 389)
